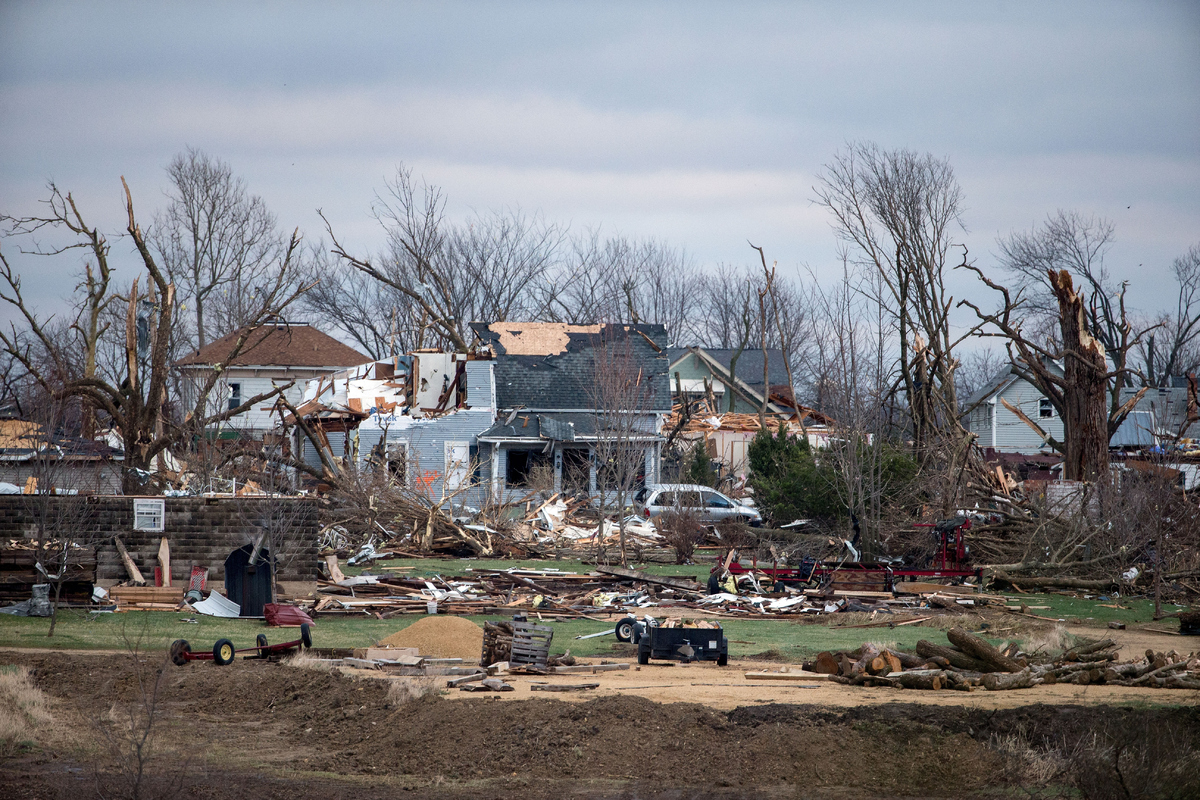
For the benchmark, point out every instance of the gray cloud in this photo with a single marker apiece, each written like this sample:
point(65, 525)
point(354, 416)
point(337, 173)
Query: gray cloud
point(702, 124)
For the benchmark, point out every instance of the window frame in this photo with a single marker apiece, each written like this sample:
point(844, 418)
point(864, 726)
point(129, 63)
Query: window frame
point(154, 508)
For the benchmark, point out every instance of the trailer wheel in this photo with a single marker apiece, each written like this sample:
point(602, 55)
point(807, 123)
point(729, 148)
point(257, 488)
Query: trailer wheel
point(223, 652)
point(722, 659)
point(179, 650)
point(643, 657)
point(625, 629)
point(305, 635)
point(260, 641)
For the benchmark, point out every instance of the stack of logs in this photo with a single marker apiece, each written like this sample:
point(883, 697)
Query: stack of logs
point(973, 662)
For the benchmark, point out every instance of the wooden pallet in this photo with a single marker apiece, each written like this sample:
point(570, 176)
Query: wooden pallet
point(530, 644)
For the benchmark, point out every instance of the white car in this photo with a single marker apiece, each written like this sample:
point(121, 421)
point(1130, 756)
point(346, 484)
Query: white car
point(706, 503)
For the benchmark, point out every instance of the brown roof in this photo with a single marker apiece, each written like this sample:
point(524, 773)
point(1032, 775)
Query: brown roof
point(279, 345)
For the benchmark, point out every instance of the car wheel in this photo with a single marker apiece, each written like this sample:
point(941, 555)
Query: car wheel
point(644, 656)
point(223, 652)
point(179, 650)
point(625, 629)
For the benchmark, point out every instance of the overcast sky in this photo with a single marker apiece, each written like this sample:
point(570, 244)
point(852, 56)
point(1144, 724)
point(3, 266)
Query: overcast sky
point(701, 124)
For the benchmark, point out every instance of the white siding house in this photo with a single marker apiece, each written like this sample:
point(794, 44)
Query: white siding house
point(274, 355)
point(1003, 431)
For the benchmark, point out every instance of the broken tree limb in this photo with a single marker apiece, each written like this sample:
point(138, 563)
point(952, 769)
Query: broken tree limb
point(981, 650)
point(999, 681)
point(633, 574)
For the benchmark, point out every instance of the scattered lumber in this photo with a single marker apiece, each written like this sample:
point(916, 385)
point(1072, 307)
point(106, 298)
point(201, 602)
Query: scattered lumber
point(561, 687)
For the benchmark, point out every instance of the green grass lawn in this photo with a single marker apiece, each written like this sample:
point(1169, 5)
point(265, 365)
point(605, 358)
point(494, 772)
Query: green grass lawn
point(78, 630)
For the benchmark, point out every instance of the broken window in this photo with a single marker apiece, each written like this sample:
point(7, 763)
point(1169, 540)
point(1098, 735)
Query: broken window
point(1045, 408)
point(396, 462)
point(235, 395)
point(526, 467)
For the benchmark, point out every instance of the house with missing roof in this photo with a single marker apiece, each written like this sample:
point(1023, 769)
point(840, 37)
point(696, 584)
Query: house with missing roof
point(552, 418)
point(276, 354)
point(519, 412)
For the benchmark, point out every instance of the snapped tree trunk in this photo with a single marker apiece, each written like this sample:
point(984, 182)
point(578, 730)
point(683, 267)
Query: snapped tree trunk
point(1085, 417)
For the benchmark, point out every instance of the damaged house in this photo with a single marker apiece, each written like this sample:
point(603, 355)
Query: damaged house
point(521, 412)
point(570, 400)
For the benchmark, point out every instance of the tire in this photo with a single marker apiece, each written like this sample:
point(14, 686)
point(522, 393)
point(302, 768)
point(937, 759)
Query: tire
point(625, 629)
point(260, 642)
point(305, 635)
point(722, 659)
point(639, 630)
point(179, 650)
point(643, 656)
point(223, 652)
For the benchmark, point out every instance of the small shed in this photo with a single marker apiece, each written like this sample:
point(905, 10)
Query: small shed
point(247, 581)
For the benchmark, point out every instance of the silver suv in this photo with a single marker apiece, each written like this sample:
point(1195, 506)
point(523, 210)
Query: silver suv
point(707, 504)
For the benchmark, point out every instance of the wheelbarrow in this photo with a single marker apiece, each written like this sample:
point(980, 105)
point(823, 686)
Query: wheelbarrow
point(223, 651)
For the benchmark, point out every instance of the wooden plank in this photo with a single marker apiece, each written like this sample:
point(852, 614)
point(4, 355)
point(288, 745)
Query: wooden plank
point(799, 675)
point(592, 668)
point(459, 681)
point(645, 577)
point(135, 574)
point(551, 687)
point(164, 560)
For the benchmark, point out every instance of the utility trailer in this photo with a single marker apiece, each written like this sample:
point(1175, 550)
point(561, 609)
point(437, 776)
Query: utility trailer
point(674, 644)
point(223, 651)
point(950, 561)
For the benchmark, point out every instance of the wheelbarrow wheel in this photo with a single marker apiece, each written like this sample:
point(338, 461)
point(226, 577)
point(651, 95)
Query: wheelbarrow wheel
point(260, 641)
point(625, 629)
point(179, 650)
point(305, 635)
point(223, 652)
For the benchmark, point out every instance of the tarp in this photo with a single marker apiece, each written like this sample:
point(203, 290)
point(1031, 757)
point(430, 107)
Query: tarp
point(217, 605)
point(285, 615)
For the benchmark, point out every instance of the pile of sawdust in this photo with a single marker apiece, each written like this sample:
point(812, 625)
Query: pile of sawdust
point(441, 637)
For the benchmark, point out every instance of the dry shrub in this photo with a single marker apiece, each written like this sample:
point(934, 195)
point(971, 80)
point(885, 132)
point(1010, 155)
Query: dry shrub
point(1028, 764)
point(406, 690)
point(681, 530)
point(1047, 641)
point(23, 709)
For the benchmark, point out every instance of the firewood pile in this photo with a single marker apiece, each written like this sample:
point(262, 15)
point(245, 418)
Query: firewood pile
point(972, 663)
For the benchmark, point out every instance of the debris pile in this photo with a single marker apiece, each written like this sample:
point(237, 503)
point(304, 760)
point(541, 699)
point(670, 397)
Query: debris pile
point(19, 570)
point(972, 663)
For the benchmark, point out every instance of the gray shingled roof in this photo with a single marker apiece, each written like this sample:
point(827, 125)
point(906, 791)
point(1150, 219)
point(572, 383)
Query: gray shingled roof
point(567, 380)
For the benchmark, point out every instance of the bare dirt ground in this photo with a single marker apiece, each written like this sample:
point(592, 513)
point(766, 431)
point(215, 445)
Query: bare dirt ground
point(259, 729)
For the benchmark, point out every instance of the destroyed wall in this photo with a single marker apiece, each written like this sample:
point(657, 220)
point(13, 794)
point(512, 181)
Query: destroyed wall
point(201, 531)
point(432, 443)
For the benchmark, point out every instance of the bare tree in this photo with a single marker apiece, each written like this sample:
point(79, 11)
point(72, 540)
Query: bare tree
point(1174, 348)
point(216, 242)
point(1078, 391)
point(895, 211)
point(496, 267)
point(1066, 241)
point(624, 395)
point(135, 399)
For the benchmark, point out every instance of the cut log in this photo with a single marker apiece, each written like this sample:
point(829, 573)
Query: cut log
point(893, 661)
point(909, 661)
point(1000, 681)
point(953, 658)
point(869, 653)
point(825, 663)
point(982, 651)
point(1075, 652)
point(923, 679)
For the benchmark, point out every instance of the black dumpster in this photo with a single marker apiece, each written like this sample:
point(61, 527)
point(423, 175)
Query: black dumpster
point(248, 584)
point(683, 644)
